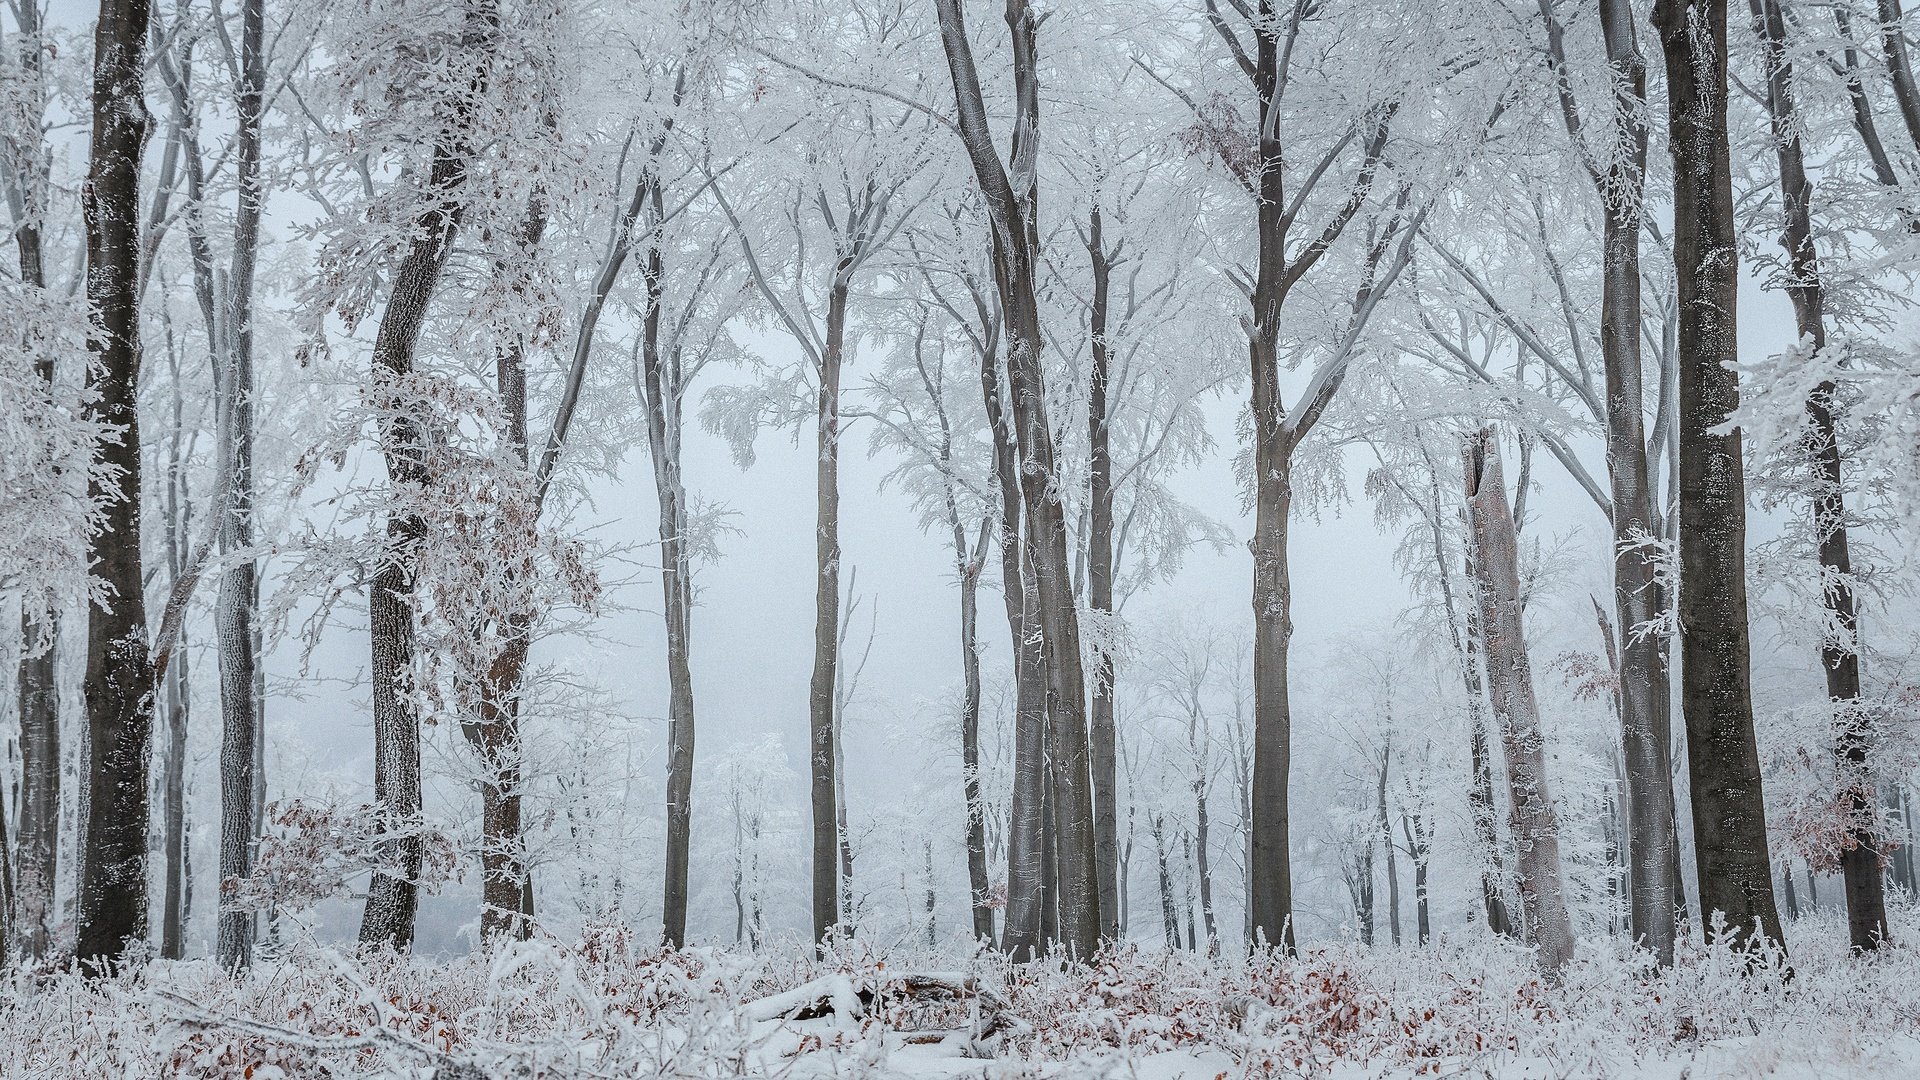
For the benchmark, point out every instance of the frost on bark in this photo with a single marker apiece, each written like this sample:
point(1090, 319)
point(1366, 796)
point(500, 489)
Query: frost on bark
point(236, 606)
point(1839, 655)
point(393, 895)
point(1106, 783)
point(1619, 176)
point(35, 851)
point(1729, 817)
point(119, 679)
point(1010, 197)
point(1536, 830)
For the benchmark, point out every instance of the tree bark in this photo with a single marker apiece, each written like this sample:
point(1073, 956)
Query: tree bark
point(822, 724)
point(393, 895)
point(1106, 776)
point(1644, 718)
point(1021, 935)
point(1386, 838)
point(1536, 829)
point(969, 565)
point(36, 844)
point(237, 603)
point(119, 681)
point(1015, 252)
point(1840, 659)
point(1730, 822)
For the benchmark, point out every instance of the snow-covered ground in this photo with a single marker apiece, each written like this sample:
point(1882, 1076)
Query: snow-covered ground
point(605, 1006)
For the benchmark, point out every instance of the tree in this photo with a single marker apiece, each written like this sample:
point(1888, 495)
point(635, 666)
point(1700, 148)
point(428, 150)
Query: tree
point(1616, 162)
point(1536, 829)
point(120, 671)
point(1730, 821)
point(1008, 189)
point(1839, 653)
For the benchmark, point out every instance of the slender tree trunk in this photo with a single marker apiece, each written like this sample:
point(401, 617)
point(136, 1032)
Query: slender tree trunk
point(237, 603)
point(1015, 252)
point(1643, 713)
point(665, 393)
point(1840, 659)
point(173, 782)
point(826, 625)
point(969, 567)
point(1386, 838)
point(119, 681)
point(1536, 829)
point(1420, 846)
point(1203, 868)
point(1021, 934)
point(1730, 822)
point(1106, 774)
point(1169, 917)
point(37, 843)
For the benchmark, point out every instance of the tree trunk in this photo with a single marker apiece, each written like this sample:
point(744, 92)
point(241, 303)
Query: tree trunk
point(1645, 739)
point(1860, 857)
point(1386, 838)
point(37, 843)
point(1536, 830)
point(1730, 821)
point(1420, 846)
point(1106, 777)
point(1021, 936)
point(237, 603)
point(822, 724)
point(1203, 867)
point(173, 783)
point(969, 567)
point(664, 382)
point(1169, 917)
point(119, 681)
point(1015, 252)
point(393, 895)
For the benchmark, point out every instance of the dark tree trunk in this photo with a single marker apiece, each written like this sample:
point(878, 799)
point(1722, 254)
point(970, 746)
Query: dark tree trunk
point(969, 565)
point(393, 895)
point(237, 604)
point(665, 392)
point(173, 832)
point(1106, 776)
point(1860, 858)
point(1729, 816)
point(822, 723)
point(1169, 914)
point(37, 843)
point(119, 681)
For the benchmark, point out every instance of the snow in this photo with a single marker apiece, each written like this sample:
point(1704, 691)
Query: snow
point(607, 1006)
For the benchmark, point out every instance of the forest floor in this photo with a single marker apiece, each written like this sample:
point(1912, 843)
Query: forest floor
point(605, 1006)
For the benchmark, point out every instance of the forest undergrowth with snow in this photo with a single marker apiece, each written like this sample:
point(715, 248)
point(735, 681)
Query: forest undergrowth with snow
point(609, 1005)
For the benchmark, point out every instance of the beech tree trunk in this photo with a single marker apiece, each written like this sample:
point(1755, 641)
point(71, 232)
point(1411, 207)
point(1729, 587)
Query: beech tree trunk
point(238, 600)
point(1106, 773)
point(1026, 832)
point(1015, 252)
point(1536, 829)
point(393, 895)
point(664, 383)
point(1840, 659)
point(822, 726)
point(119, 681)
point(1729, 816)
point(1645, 739)
point(1386, 838)
point(36, 845)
